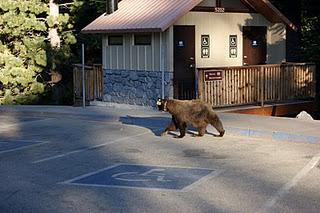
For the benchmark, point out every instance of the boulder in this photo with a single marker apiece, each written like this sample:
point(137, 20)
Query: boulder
point(303, 115)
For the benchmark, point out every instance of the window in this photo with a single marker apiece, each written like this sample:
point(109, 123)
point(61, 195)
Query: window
point(142, 39)
point(115, 40)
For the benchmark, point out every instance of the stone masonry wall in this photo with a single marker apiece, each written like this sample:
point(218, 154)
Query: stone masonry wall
point(135, 86)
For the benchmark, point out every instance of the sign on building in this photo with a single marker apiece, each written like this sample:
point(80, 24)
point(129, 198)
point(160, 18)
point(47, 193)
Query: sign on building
point(213, 75)
point(233, 50)
point(205, 46)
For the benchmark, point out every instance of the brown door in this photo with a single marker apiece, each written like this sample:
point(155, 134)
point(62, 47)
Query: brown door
point(184, 62)
point(254, 45)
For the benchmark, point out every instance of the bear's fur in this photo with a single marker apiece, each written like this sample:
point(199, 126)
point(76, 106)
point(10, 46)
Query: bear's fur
point(195, 112)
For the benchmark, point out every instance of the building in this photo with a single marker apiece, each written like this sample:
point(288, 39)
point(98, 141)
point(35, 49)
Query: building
point(153, 48)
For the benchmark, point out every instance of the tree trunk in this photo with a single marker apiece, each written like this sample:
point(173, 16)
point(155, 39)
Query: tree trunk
point(53, 32)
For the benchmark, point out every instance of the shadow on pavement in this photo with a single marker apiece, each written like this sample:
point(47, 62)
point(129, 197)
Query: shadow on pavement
point(158, 124)
point(155, 124)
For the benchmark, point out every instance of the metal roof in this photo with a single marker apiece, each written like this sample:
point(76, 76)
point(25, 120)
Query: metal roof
point(158, 15)
point(141, 16)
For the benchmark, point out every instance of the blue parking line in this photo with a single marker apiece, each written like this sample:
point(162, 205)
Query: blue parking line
point(275, 135)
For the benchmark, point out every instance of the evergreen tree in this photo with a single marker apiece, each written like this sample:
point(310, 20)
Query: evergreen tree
point(25, 48)
point(310, 31)
point(22, 53)
point(85, 14)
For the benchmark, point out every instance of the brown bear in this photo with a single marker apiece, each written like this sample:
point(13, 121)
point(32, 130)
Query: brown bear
point(195, 112)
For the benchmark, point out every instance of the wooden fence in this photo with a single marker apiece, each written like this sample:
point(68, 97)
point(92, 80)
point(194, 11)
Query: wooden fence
point(256, 84)
point(93, 83)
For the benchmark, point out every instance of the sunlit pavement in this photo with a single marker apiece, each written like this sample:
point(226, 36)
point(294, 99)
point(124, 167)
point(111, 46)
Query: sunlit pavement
point(66, 159)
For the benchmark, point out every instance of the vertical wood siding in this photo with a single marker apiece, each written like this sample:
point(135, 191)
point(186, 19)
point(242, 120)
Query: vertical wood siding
point(135, 57)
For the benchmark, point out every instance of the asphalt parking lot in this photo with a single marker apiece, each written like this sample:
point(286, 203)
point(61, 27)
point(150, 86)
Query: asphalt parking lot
point(115, 161)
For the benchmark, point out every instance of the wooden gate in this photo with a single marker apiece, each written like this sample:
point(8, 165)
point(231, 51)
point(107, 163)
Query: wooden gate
point(93, 83)
point(257, 84)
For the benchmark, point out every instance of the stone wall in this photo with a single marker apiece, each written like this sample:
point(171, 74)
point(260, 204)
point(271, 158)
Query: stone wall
point(135, 86)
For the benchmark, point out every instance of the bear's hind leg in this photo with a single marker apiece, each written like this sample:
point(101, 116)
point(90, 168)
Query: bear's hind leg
point(201, 131)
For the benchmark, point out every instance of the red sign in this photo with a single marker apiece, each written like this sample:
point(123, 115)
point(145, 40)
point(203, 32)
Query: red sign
point(213, 75)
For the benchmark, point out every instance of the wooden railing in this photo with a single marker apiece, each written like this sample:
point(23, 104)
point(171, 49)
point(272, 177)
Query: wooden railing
point(257, 84)
point(93, 82)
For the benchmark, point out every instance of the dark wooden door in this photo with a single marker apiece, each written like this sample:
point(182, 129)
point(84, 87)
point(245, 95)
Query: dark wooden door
point(254, 45)
point(184, 62)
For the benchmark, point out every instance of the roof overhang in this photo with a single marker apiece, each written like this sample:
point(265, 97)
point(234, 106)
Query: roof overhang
point(158, 15)
point(141, 16)
point(270, 12)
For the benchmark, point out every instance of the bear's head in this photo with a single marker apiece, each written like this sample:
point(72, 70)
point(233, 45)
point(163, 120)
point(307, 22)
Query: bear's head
point(162, 104)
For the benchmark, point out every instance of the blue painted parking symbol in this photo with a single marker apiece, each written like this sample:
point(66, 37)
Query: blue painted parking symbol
point(143, 176)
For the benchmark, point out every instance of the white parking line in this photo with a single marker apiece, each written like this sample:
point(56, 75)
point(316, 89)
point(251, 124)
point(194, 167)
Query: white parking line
point(267, 207)
point(32, 144)
point(88, 148)
point(202, 180)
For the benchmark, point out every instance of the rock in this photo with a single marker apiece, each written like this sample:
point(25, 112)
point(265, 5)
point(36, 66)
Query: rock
point(133, 76)
point(304, 116)
point(107, 98)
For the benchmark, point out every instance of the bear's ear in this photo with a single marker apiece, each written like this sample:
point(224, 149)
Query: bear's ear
point(159, 101)
point(166, 98)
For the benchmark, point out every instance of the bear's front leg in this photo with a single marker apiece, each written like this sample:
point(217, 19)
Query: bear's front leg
point(172, 126)
point(182, 127)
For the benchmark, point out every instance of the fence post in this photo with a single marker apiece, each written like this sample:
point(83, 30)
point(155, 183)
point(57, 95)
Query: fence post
point(262, 85)
point(313, 67)
point(83, 80)
point(200, 84)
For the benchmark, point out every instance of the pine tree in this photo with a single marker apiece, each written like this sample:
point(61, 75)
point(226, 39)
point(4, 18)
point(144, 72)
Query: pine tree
point(25, 48)
point(21, 50)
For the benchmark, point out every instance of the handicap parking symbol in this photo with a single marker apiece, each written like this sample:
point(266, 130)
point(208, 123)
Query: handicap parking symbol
point(151, 175)
point(143, 176)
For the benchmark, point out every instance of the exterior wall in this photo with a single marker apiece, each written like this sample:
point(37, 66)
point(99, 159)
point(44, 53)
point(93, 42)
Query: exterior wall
point(224, 3)
point(220, 25)
point(137, 87)
point(276, 39)
point(133, 74)
point(232, 4)
point(207, 3)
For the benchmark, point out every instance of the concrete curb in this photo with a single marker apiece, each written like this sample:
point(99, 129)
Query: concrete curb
point(273, 135)
point(120, 106)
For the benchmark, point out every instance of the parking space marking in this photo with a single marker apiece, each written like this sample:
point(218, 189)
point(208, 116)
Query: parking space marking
point(88, 148)
point(15, 145)
point(267, 207)
point(142, 176)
